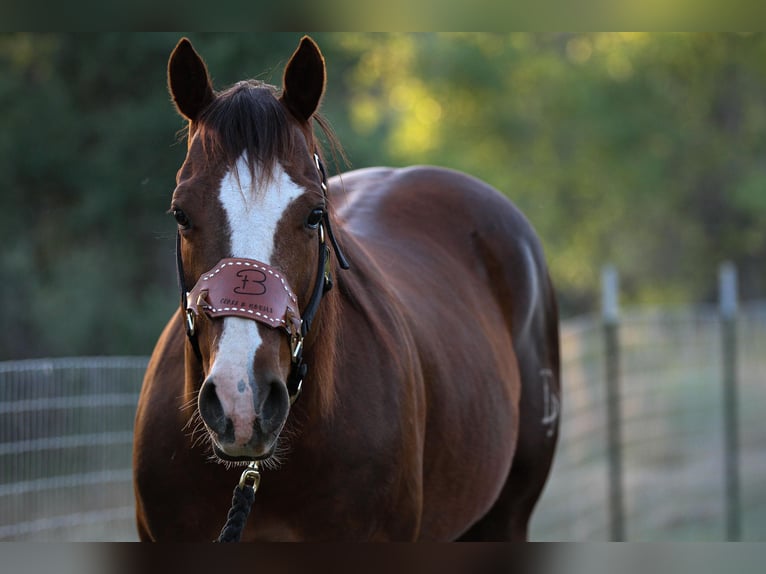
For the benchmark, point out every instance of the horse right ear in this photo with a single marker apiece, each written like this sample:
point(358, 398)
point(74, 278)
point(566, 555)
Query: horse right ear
point(304, 80)
point(188, 81)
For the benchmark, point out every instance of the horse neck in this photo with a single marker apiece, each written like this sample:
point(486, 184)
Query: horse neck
point(329, 335)
point(320, 353)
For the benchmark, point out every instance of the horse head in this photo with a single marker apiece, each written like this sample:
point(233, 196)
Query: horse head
point(251, 208)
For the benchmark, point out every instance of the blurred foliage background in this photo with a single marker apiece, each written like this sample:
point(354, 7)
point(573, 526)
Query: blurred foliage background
point(643, 150)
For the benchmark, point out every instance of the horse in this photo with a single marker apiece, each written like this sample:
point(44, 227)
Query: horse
point(384, 342)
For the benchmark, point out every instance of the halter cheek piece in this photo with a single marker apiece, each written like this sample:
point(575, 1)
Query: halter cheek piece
point(256, 290)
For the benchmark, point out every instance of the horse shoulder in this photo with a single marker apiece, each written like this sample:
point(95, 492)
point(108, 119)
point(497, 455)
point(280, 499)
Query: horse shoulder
point(161, 452)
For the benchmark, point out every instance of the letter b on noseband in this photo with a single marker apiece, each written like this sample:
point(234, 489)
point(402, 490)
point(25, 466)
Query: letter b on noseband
point(253, 282)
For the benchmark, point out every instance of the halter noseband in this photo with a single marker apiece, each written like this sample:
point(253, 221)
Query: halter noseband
point(256, 290)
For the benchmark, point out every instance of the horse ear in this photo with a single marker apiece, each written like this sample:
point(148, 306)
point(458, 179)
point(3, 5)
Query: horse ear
point(304, 80)
point(188, 81)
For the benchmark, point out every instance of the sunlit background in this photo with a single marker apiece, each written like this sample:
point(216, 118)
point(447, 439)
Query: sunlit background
point(643, 151)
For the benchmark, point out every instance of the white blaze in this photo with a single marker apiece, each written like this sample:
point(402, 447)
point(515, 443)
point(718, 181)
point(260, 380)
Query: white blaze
point(252, 215)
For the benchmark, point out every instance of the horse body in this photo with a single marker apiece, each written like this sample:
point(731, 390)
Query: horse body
point(469, 282)
point(440, 345)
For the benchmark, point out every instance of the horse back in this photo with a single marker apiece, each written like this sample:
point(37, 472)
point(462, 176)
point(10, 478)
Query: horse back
point(421, 223)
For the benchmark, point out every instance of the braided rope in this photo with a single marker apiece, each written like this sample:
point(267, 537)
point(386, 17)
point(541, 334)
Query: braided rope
point(241, 503)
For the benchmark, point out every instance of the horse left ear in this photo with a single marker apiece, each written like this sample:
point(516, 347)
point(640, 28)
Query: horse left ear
point(304, 80)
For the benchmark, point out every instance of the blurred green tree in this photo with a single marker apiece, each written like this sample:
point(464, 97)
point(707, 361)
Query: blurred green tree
point(645, 150)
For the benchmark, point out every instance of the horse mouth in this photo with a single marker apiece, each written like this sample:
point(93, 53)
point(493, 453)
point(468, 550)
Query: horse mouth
point(240, 454)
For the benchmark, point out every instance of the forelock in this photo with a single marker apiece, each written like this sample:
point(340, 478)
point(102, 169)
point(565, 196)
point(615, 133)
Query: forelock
point(247, 118)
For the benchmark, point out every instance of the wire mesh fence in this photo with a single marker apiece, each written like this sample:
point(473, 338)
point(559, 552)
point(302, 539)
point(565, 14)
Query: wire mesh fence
point(672, 426)
point(65, 448)
point(66, 434)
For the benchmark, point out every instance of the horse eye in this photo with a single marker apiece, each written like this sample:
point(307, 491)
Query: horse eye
point(315, 218)
point(181, 218)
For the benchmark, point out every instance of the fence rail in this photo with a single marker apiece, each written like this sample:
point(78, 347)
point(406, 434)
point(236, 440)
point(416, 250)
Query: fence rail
point(66, 432)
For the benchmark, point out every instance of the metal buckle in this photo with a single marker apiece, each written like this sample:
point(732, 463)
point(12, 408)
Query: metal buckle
point(191, 315)
point(321, 232)
point(322, 173)
point(294, 334)
point(190, 322)
point(296, 345)
point(294, 397)
point(251, 473)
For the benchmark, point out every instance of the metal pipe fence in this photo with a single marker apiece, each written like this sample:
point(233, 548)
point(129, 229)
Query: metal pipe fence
point(66, 434)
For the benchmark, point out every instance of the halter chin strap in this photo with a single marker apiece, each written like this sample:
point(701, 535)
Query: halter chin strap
point(272, 302)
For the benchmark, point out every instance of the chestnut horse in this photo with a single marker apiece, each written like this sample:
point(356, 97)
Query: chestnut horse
point(429, 370)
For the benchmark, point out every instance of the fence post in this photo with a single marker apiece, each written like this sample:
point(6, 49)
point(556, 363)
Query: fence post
point(610, 315)
point(727, 285)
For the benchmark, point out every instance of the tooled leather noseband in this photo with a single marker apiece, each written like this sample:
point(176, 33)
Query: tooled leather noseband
point(256, 290)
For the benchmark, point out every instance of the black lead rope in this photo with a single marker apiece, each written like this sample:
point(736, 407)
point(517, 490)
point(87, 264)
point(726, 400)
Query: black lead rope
point(241, 503)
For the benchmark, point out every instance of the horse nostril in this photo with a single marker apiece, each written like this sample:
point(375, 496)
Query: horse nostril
point(276, 401)
point(212, 412)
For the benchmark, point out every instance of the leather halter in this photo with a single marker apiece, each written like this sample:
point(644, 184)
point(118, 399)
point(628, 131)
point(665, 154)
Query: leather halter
point(273, 303)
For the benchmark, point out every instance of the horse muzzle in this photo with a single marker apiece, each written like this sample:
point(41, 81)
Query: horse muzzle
point(243, 420)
